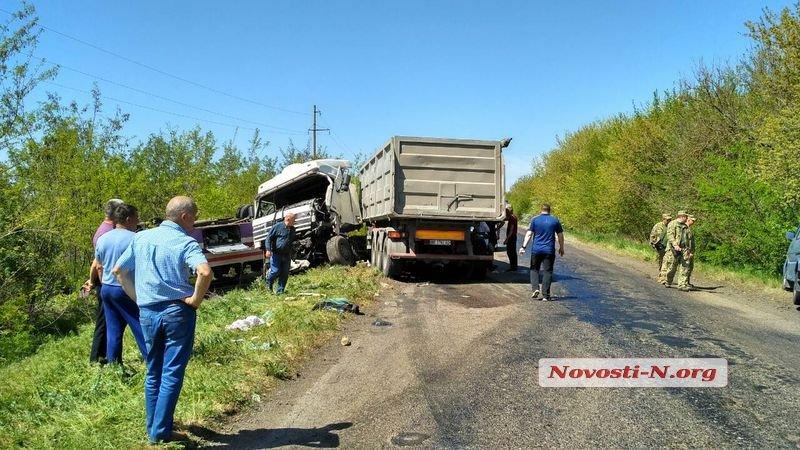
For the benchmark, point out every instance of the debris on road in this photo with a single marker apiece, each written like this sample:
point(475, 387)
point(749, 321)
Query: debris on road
point(345, 341)
point(338, 304)
point(394, 304)
point(427, 283)
point(381, 323)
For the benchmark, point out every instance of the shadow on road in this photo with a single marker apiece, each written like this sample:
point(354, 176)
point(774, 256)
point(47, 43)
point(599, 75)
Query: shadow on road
point(323, 437)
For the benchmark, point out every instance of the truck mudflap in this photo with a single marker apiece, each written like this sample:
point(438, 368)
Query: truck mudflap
point(440, 257)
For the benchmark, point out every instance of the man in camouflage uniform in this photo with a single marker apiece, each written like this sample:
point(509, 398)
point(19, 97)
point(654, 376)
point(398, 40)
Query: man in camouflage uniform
point(690, 248)
point(658, 239)
point(674, 258)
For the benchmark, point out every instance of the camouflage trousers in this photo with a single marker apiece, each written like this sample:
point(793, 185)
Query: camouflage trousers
point(671, 264)
point(659, 259)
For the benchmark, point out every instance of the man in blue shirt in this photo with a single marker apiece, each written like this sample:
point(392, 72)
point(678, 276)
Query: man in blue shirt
point(544, 229)
point(155, 271)
point(278, 249)
point(119, 309)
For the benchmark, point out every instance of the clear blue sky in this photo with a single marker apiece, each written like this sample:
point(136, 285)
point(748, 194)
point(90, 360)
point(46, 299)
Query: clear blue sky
point(486, 70)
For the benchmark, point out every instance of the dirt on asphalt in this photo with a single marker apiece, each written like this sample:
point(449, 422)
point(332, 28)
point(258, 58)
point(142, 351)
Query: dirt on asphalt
point(457, 366)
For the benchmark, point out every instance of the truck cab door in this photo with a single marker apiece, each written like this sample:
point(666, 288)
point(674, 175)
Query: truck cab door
point(344, 202)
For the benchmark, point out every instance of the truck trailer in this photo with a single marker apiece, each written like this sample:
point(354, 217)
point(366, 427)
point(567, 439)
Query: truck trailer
point(431, 200)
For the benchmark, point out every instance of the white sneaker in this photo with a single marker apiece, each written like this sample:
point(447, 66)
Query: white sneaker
point(535, 294)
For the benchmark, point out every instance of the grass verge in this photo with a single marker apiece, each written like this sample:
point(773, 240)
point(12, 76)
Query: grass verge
point(56, 399)
point(644, 252)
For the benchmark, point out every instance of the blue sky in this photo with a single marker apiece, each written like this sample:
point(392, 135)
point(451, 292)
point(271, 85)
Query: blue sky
point(485, 70)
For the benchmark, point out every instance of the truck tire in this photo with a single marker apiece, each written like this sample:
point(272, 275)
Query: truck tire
point(339, 251)
point(244, 212)
point(391, 268)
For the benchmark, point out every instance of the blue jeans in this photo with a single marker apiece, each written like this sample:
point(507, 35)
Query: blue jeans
point(279, 268)
point(120, 311)
point(168, 329)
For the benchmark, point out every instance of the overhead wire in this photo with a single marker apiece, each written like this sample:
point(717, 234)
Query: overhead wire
point(186, 116)
point(178, 102)
point(163, 72)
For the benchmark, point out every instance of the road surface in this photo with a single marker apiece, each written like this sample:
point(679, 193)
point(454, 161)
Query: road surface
point(457, 367)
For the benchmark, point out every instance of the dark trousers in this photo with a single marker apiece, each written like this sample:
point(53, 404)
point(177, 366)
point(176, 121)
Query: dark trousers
point(279, 268)
point(98, 353)
point(168, 329)
point(511, 251)
point(121, 311)
point(542, 262)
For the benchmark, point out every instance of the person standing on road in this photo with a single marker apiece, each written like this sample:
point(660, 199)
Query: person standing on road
point(544, 229)
point(278, 249)
point(676, 243)
point(658, 239)
point(690, 248)
point(120, 310)
point(511, 238)
point(100, 338)
point(155, 271)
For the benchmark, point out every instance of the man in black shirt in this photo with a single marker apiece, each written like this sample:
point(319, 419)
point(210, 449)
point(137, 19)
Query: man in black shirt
point(511, 239)
point(278, 248)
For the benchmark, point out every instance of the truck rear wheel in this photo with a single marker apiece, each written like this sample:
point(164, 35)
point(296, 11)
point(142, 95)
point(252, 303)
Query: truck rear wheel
point(390, 267)
point(339, 251)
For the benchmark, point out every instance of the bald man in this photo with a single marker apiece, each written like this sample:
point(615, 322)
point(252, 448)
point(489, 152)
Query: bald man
point(154, 271)
point(278, 250)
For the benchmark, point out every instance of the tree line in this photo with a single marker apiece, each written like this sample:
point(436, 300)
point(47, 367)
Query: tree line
point(61, 161)
point(723, 144)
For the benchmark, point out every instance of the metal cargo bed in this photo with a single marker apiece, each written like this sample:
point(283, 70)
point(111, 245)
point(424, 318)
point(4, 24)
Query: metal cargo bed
point(433, 178)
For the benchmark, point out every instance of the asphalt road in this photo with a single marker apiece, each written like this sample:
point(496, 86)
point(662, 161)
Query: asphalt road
point(457, 367)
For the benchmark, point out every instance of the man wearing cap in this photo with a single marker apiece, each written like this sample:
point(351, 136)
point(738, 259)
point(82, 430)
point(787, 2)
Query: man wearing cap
point(676, 243)
point(690, 247)
point(658, 239)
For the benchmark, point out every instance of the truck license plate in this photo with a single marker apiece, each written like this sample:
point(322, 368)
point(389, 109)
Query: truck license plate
point(439, 242)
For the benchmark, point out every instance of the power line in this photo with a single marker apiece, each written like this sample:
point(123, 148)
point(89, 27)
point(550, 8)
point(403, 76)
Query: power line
point(163, 111)
point(165, 73)
point(334, 136)
point(141, 91)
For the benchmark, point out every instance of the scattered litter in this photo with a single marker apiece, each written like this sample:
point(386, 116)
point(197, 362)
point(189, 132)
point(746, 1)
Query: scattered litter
point(256, 398)
point(299, 265)
point(345, 341)
point(246, 323)
point(427, 283)
point(390, 303)
point(289, 299)
point(465, 296)
point(310, 294)
point(381, 323)
point(263, 346)
point(338, 304)
point(376, 295)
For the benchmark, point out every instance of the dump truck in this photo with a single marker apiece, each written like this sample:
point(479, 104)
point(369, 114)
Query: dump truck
point(430, 200)
point(420, 199)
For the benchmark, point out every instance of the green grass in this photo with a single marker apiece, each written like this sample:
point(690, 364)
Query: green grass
point(643, 251)
point(56, 399)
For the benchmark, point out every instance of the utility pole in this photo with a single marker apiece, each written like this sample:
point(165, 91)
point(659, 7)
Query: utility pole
point(313, 131)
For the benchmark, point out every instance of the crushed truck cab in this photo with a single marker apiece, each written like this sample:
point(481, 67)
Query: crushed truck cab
point(325, 205)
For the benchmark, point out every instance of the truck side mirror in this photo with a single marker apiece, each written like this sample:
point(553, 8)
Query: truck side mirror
point(344, 183)
point(790, 235)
